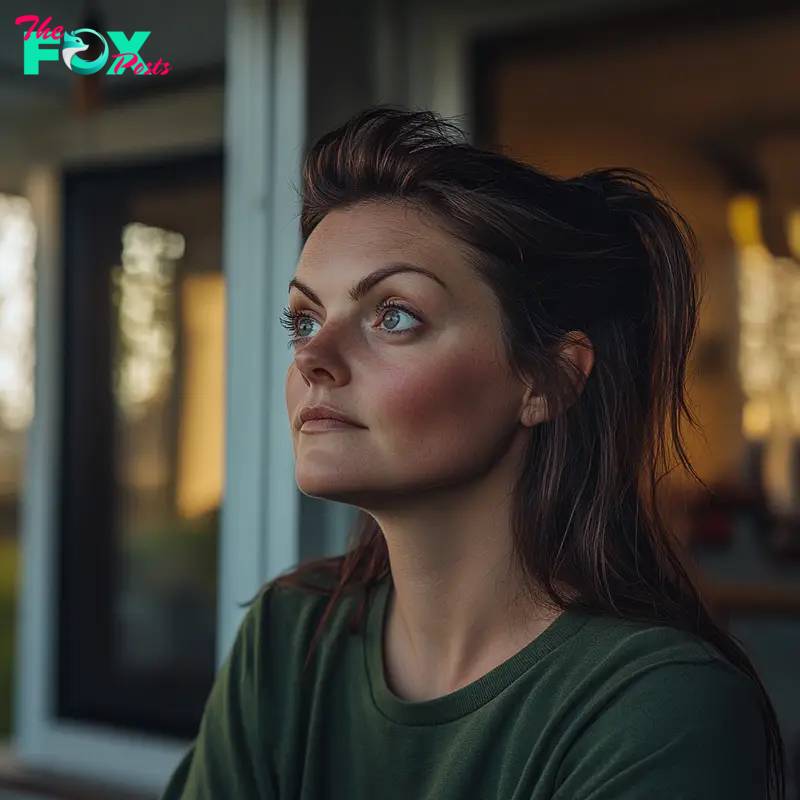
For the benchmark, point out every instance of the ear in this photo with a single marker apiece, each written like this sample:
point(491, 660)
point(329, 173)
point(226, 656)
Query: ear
point(580, 353)
point(534, 409)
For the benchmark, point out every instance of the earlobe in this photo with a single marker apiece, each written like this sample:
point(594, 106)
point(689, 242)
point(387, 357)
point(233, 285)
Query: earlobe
point(534, 411)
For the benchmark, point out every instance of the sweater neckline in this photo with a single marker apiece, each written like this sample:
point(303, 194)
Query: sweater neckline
point(467, 699)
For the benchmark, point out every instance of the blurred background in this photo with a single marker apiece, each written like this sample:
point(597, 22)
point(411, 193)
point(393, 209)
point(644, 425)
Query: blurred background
point(148, 231)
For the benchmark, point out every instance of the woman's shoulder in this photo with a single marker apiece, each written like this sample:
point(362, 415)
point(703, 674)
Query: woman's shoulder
point(658, 712)
point(612, 638)
point(618, 658)
point(288, 610)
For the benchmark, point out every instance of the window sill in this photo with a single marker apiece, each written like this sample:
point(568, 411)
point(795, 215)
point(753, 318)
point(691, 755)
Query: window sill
point(42, 785)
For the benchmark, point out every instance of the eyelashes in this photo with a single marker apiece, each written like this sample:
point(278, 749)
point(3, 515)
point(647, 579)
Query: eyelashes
point(290, 319)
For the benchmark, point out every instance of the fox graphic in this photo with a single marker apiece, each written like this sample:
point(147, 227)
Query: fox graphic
point(73, 44)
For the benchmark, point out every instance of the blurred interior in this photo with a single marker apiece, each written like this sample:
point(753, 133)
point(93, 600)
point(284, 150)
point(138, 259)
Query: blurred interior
point(702, 112)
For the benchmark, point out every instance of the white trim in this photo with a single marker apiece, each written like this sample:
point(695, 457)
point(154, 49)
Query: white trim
point(134, 762)
point(38, 556)
point(289, 93)
point(265, 134)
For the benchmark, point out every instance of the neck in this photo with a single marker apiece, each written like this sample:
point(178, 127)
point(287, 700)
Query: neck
point(457, 610)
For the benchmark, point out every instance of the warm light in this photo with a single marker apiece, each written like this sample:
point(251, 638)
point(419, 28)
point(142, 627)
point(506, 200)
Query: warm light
point(17, 290)
point(744, 220)
point(756, 419)
point(793, 232)
point(154, 308)
point(769, 324)
point(144, 296)
point(202, 419)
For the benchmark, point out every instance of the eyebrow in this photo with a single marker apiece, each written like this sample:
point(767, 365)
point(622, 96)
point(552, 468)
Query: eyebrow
point(368, 282)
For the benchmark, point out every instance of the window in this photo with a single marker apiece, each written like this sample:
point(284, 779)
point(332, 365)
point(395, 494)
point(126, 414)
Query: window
point(142, 448)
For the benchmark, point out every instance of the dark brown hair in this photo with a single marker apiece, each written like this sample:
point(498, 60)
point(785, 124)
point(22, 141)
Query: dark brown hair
point(605, 254)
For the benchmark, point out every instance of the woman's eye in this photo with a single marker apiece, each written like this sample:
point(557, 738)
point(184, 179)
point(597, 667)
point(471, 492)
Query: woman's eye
point(304, 327)
point(392, 319)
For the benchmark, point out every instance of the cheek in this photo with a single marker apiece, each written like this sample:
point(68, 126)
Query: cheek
point(440, 399)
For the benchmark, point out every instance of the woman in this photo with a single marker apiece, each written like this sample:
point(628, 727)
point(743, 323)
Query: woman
point(489, 363)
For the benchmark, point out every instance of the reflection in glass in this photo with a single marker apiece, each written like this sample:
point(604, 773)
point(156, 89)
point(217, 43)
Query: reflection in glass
point(144, 297)
point(17, 290)
point(169, 392)
point(17, 245)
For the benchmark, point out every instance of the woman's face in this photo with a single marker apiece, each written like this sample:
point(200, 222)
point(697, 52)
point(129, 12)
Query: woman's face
point(426, 375)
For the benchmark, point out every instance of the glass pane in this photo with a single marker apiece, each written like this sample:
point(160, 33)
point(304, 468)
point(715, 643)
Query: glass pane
point(168, 379)
point(143, 447)
point(17, 289)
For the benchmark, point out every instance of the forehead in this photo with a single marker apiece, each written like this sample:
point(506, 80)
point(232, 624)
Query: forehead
point(371, 233)
point(350, 243)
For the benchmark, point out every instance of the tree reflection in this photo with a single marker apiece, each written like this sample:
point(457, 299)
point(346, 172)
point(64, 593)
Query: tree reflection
point(17, 290)
point(144, 295)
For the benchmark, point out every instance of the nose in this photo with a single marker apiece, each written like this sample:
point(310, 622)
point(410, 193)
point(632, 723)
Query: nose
point(321, 362)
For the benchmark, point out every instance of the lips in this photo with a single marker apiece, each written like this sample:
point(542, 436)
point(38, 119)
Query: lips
point(321, 412)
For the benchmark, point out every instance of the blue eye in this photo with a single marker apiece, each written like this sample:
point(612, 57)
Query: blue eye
point(393, 313)
point(295, 322)
point(298, 323)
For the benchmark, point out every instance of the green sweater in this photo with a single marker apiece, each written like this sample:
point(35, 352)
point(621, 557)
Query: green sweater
point(593, 709)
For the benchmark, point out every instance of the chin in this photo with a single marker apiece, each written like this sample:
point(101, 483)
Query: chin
point(351, 489)
point(328, 485)
point(370, 493)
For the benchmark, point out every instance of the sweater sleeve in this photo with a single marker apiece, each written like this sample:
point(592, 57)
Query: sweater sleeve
point(228, 759)
point(691, 731)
